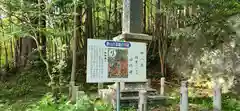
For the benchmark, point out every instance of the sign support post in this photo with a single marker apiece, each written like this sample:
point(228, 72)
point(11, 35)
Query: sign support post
point(118, 96)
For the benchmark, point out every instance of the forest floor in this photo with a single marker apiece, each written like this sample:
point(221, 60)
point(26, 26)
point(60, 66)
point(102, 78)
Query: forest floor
point(22, 91)
point(19, 98)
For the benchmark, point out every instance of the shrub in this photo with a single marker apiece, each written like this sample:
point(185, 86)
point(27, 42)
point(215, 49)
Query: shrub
point(48, 103)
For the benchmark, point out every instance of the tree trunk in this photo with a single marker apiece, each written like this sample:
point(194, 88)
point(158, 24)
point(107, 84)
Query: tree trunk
point(109, 20)
point(42, 26)
point(23, 52)
point(88, 26)
point(160, 34)
point(6, 56)
point(56, 51)
point(150, 13)
point(144, 15)
point(0, 55)
point(115, 15)
point(27, 45)
point(74, 55)
point(17, 53)
point(11, 49)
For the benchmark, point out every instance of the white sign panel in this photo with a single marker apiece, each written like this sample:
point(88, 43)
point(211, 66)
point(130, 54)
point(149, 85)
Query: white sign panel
point(114, 61)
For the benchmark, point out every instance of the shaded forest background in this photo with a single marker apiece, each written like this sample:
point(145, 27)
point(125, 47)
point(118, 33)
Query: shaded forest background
point(186, 34)
point(195, 40)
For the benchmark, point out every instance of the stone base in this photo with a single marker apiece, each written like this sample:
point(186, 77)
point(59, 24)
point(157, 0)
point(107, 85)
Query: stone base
point(135, 92)
point(151, 101)
point(130, 98)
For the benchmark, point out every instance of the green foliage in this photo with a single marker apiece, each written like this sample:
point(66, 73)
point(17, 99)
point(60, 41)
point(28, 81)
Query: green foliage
point(23, 84)
point(231, 102)
point(209, 28)
point(47, 103)
point(85, 103)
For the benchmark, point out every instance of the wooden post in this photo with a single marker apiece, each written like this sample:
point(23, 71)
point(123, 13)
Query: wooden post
point(184, 97)
point(217, 96)
point(142, 105)
point(162, 86)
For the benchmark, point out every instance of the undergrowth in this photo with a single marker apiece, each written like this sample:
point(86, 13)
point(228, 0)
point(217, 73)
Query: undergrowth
point(85, 103)
point(28, 91)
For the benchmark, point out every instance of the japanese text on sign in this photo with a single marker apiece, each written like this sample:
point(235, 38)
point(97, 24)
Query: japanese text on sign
point(112, 61)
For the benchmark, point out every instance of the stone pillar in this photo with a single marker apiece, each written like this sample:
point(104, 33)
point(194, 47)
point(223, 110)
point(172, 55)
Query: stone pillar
point(162, 86)
point(132, 16)
point(142, 105)
point(184, 97)
point(74, 93)
point(217, 104)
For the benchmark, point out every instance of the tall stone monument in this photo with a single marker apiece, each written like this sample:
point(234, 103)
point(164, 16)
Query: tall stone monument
point(132, 27)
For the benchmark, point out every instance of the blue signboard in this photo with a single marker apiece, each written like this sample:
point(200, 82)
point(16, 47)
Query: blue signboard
point(118, 44)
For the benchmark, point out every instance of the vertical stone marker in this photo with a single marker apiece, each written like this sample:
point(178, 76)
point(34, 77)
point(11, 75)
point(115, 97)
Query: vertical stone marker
point(162, 84)
point(217, 104)
point(132, 27)
point(132, 32)
point(142, 106)
point(132, 16)
point(184, 97)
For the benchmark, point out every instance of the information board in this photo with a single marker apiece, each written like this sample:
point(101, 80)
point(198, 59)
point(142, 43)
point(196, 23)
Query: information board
point(114, 61)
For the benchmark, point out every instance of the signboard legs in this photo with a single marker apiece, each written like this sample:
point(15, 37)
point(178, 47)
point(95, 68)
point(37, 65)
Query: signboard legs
point(118, 96)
